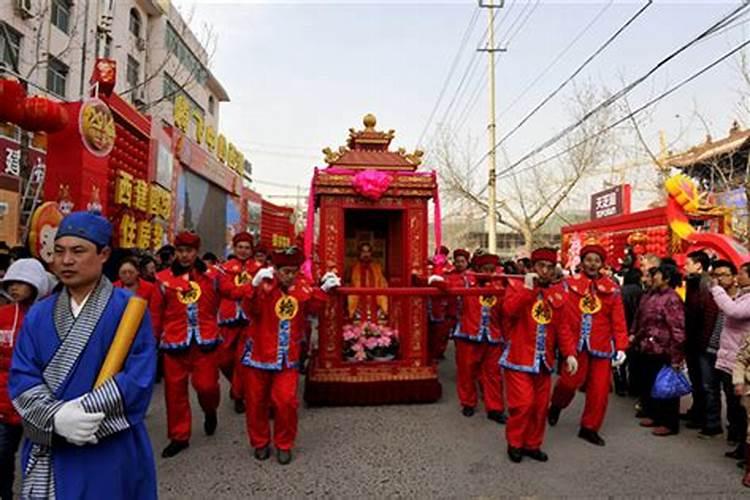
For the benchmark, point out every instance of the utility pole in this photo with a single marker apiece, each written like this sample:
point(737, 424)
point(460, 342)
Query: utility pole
point(492, 157)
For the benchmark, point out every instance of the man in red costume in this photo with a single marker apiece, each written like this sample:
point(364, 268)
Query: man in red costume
point(188, 303)
point(279, 305)
point(478, 339)
point(597, 321)
point(537, 325)
point(235, 278)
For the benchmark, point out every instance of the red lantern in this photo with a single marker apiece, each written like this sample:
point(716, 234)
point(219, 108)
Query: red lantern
point(12, 95)
point(42, 114)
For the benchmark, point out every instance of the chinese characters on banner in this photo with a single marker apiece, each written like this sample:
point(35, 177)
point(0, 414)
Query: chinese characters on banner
point(610, 202)
point(225, 151)
point(140, 227)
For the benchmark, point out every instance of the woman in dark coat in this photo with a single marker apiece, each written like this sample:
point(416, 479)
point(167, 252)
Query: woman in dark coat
point(660, 338)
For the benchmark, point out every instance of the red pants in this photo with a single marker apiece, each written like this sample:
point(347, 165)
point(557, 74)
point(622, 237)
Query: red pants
point(478, 362)
point(229, 353)
point(528, 400)
point(264, 388)
point(438, 333)
point(201, 368)
point(596, 373)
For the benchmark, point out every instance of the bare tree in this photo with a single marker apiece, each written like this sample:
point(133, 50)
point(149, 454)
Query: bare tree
point(531, 195)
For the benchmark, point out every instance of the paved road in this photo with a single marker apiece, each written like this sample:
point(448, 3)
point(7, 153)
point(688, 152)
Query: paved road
point(433, 451)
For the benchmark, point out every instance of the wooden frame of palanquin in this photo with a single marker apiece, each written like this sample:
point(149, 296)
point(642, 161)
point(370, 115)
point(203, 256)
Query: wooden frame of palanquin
point(412, 377)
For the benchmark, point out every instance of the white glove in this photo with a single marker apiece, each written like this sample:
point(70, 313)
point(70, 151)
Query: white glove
point(571, 363)
point(528, 280)
point(435, 278)
point(619, 359)
point(76, 425)
point(331, 282)
point(262, 274)
point(327, 276)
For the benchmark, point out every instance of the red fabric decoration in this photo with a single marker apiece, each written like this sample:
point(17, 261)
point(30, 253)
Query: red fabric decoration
point(243, 236)
point(593, 248)
point(12, 95)
point(548, 254)
point(187, 239)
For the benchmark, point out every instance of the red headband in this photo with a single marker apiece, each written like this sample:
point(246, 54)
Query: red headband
point(548, 254)
point(460, 252)
point(243, 236)
point(594, 248)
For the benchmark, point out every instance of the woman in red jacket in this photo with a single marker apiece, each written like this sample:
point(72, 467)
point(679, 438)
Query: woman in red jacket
point(25, 281)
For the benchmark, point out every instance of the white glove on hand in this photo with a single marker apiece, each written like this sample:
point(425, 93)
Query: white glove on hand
point(528, 280)
point(619, 359)
point(571, 363)
point(262, 274)
point(76, 425)
point(332, 281)
point(327, 276)
point(435, 278)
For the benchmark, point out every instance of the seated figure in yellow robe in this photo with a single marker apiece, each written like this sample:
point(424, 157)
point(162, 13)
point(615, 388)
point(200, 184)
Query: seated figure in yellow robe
point(367, 274)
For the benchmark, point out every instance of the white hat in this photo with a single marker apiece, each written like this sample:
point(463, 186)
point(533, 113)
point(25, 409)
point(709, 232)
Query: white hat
point(31, 272)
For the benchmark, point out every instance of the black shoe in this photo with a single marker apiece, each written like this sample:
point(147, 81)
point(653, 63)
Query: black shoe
point(239, 406)
point(209, 424)
point(284, 456)
point(741, 464)
point(467, 411)
point(537, 455)
point(262, 453)
point(591, 436)
point(497, 416)
point(554, 415)
point(173, 448)
point(515, 454)
point(709, 433)
point(736, 453)
point(692, 424)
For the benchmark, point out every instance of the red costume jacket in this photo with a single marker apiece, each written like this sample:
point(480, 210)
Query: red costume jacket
point(597, 316)
point(149, 292)
point(235, 283)
point(537, 325)
point(479, 317)
point(187, 310)
point(280, 323)
point(11, 317)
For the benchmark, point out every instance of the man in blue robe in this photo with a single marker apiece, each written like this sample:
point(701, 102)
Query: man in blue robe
point(83, 442)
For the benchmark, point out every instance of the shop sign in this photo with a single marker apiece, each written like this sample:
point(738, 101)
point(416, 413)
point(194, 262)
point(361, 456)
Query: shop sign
point(610, 202)
point(226, 152)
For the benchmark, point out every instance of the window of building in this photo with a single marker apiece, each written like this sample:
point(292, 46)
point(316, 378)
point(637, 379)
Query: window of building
point(135, 22)
point(61, 14)
point(57, 76)
point(177, 47)
point(171, 89)
point(133, 72)
point(211, 104)
point(10, 47)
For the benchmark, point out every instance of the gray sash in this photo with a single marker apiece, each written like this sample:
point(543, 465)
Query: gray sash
point(74, 334)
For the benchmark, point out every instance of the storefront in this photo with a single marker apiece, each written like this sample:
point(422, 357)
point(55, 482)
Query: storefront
point(207, 193)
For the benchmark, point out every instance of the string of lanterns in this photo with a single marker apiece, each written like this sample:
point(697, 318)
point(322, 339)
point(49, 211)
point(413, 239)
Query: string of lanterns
point(32, 113)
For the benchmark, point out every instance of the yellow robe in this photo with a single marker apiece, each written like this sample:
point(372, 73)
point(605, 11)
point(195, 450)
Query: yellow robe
point(366, 275)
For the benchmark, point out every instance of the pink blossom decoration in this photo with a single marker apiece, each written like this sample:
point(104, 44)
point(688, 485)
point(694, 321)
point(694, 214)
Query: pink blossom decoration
point(372, 184)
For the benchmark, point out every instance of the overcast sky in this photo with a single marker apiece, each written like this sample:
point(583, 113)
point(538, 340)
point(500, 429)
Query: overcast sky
point(299, 74)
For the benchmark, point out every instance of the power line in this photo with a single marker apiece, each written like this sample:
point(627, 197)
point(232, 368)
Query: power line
point(508, 171)
point(625, 90)
point(578, 70)
point(467, 34)
point(557, 58)
point(512, 35)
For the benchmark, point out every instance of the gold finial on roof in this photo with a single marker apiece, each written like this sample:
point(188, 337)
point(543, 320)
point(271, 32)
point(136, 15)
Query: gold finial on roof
point(369, 121)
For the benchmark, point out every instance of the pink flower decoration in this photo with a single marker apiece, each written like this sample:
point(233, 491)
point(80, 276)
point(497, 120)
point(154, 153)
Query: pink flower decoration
point(372, 184)
point(372, 342)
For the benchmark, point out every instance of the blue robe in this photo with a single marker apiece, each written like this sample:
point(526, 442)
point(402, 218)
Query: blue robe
point(57, 358)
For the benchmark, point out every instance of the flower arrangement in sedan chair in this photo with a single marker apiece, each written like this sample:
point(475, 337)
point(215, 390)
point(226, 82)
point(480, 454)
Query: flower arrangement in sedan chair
point(367, 341)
